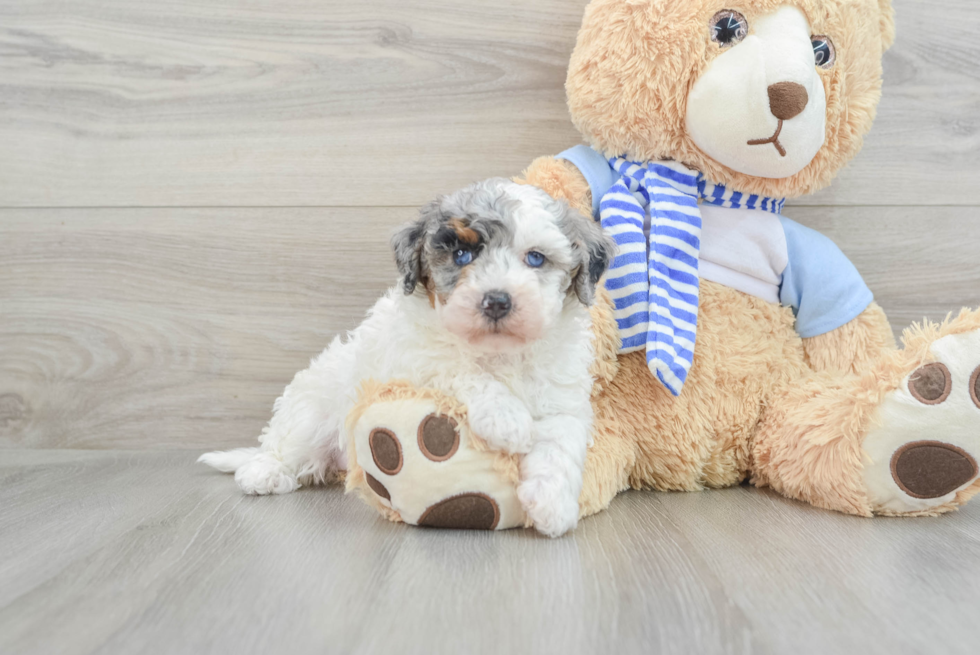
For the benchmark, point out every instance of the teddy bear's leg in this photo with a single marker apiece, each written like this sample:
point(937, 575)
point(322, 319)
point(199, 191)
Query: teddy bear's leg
point(608, 462)
point(808, 446)
point(854, 347)
point(901, 439)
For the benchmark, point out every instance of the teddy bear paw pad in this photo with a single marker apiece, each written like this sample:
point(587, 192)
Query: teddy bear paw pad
point(386, 451)
point(464, 512)
point(926, 447)
point(932, 469)
point(438, 437)
point(424, 466)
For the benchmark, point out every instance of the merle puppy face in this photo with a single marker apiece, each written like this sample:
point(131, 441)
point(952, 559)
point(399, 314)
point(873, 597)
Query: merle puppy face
point(500, 261)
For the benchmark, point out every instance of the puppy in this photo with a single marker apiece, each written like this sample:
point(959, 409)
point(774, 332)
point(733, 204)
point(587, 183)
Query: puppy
point(491, 309)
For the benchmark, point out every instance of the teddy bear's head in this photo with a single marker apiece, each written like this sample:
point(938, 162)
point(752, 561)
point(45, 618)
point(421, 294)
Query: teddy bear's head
point(765, 96)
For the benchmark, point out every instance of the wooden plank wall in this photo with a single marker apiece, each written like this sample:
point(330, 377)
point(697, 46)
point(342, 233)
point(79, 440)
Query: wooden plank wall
point(196, 197)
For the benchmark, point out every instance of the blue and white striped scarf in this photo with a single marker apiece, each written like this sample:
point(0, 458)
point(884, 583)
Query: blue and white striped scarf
point(654, 281)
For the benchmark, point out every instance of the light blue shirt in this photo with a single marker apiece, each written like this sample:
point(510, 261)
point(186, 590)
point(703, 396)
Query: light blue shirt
point(819, 283)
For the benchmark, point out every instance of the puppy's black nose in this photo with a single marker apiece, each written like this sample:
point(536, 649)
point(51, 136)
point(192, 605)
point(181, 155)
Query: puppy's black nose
point(496, 305)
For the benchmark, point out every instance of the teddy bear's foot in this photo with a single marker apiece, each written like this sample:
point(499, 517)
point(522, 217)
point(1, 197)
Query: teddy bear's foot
point(416, 460)
point(923, 455)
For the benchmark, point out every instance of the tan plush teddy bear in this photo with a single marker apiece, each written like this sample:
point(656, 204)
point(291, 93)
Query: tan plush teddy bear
point(731, 343)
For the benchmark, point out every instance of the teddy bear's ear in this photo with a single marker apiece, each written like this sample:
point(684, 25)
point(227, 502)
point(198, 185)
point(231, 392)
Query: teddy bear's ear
point(887, 22)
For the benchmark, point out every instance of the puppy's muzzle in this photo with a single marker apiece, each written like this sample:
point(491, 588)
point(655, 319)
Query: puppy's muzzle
point(496, 305)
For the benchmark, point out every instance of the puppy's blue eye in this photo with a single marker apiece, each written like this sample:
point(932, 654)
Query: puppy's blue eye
point(534, 259)
point(462, 257)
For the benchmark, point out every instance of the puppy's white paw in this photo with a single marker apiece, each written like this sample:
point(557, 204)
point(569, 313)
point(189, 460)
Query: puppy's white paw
point(503, 422)
point(551, 505)
point(264, 474)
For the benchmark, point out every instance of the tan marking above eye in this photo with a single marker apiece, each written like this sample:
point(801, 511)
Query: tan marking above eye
point(386, 451)
point(465, 234)
point(438, 437)
point(931, 384)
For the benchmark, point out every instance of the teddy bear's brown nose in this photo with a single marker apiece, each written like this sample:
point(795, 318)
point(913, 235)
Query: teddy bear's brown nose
point(787, 100)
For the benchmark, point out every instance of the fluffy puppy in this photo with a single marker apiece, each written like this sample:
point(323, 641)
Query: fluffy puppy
point(492, 309)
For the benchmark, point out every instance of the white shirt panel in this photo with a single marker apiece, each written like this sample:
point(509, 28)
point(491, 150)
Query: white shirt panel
point(744, 249)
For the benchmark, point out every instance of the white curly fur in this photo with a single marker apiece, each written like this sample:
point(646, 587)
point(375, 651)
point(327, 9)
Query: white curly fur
point(528, 397)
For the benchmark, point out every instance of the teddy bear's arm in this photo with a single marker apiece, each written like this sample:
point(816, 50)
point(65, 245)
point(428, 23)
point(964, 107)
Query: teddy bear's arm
point(561, 180)
point(853, 347)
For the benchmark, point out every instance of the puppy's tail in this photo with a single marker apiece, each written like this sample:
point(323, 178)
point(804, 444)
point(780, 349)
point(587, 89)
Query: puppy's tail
point(227, 461)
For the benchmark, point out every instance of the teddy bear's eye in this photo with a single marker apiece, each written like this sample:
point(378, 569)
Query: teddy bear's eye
point(728, 27)
point(823, 51)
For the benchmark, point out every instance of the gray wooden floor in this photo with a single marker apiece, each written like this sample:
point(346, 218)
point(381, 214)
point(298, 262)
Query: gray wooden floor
point(132, 552)
point(196, 197)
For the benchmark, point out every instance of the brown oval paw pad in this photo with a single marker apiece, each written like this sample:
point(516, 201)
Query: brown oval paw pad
point(386, 451)
point(464, 512)
point(931, 384)
point(377, 487)
point(930, 469)
point(438, 437)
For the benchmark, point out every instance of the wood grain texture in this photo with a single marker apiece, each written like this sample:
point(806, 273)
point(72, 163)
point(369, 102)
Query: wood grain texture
point(138, 327)
point(120, 552)
point(925, 145)
point(178, 328)
point(379, 102)
point(294, 102)
point(920, 262)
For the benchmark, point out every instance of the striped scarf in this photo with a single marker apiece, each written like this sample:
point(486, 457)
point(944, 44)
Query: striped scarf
point(654, 281)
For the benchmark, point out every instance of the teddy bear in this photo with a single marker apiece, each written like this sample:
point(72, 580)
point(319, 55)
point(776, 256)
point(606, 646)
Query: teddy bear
point(731, 344)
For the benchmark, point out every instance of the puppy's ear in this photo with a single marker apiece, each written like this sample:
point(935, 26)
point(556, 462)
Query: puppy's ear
point(592, 248)
point(408, 244)
point(595, 251)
